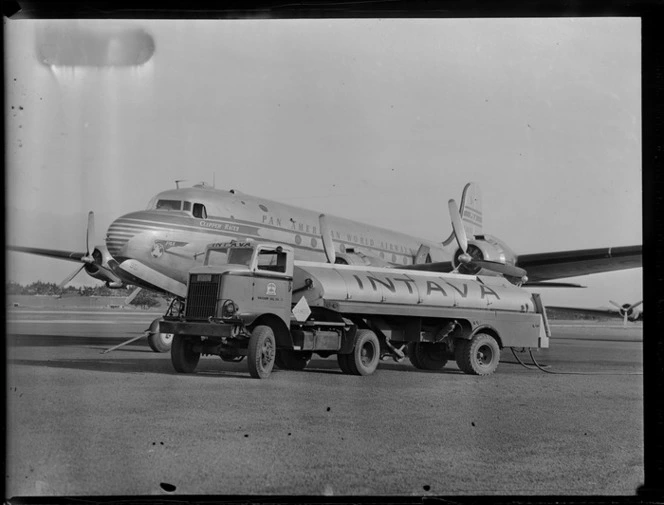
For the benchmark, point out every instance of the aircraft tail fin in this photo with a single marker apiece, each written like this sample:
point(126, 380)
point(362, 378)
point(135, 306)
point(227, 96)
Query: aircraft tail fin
point(470, 211)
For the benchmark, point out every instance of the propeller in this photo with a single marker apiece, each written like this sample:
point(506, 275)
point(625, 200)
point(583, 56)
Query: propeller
point(466, 259)
point(326, 236)
point(626, 309)
point(88, 258)
point(459, 232)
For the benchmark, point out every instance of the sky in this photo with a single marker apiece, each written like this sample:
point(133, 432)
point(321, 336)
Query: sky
point(381, 121)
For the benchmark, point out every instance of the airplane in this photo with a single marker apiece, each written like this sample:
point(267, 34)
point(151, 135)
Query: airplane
point(156, 247)
point(626, 311)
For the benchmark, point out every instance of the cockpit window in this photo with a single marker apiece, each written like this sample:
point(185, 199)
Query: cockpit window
point(199, 211)
point(186, 207)
point(169, 204)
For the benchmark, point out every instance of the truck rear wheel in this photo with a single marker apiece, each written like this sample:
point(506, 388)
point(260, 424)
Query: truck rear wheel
point(183, 357)
point(159, 342)
point(426, 355)
point(479, 355)
point(261, 352)
point(291, 360)
point(366, 354)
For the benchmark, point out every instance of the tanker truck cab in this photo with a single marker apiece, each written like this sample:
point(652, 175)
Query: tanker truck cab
point(239, 304)
point(253, 300)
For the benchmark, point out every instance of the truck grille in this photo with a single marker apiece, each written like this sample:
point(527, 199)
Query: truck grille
point(202, 298)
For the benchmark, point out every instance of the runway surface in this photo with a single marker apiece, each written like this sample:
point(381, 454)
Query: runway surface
point(85, 423)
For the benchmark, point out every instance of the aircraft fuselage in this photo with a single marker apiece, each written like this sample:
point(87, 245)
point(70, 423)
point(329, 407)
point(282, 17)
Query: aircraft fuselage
point(170, 234)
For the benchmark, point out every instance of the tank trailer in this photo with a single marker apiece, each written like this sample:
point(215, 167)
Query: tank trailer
point(251, 299)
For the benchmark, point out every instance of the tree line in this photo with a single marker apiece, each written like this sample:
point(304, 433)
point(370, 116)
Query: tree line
point(144, 297)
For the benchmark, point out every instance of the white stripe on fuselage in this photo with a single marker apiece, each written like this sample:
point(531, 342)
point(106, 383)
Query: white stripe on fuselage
point(127, 227)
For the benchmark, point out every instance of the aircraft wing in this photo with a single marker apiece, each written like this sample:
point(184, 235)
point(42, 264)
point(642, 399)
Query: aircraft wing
point(441, 266)
point(51, 253)
point(557, 265)
point(582, 311)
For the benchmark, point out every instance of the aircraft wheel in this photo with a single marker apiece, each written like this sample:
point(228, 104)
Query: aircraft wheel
point(261, 352)
point(426, 355)
point(366, 354)
point(159, 342)
point(291, 360)
point(479, 355)
point(183, 357)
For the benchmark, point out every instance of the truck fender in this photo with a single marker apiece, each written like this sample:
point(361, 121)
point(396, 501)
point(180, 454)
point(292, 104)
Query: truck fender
point(281, 331)
point(489, 330)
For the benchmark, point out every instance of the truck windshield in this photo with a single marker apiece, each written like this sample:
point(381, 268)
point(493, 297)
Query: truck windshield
point(217, 257)
point(240, 256)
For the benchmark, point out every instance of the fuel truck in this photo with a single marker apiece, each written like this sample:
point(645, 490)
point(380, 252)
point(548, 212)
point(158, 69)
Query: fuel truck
point(253, 300)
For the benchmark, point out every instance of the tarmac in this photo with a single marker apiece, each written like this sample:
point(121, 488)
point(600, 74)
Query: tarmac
point(82, 423)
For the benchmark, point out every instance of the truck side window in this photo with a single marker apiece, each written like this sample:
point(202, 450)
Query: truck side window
point(199, 211)
point(272, 260)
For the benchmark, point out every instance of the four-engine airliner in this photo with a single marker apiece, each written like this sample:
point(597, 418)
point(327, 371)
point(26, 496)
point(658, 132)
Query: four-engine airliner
point(156, 247)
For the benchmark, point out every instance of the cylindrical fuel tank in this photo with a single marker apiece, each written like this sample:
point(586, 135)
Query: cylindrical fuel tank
point(329, 283)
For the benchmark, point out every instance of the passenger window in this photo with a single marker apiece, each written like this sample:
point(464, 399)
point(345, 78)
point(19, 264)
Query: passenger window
point(274, 261)
point(199, 211)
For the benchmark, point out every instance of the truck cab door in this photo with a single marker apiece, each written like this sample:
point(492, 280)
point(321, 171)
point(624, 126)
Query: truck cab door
point(271, 290)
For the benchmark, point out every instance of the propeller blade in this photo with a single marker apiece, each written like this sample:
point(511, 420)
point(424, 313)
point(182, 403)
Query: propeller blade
point(501, 268)
point(615, 304)
point(90, 235)
point(459, 230)
point(625, 319)
point(133, 295)
point(635, 305)
point(71, 276)
point(326, 235)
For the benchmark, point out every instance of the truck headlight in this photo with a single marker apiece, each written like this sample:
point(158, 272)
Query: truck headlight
point(229, 308)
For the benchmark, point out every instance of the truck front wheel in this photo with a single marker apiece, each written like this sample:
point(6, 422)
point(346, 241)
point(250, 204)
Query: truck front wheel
point(291, 360)
point(366, 354)
point(426, 355)
point(261, 352)
point(183, 357)
point(478, 356)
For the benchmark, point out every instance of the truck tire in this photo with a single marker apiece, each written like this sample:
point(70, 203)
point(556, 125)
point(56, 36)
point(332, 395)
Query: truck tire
point(412, 355)
point(183, 357)
point(291, 360)
point(342, 359)
point(426, 356)
point(479, 355)
point(159, 342)
point(366, 354)
point(261, 352)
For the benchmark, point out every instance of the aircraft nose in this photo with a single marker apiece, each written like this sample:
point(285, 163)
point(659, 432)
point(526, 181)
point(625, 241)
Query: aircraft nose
point(119, 233)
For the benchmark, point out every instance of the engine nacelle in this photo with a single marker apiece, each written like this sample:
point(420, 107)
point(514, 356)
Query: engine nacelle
point(487, 248)
point(102, 267)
